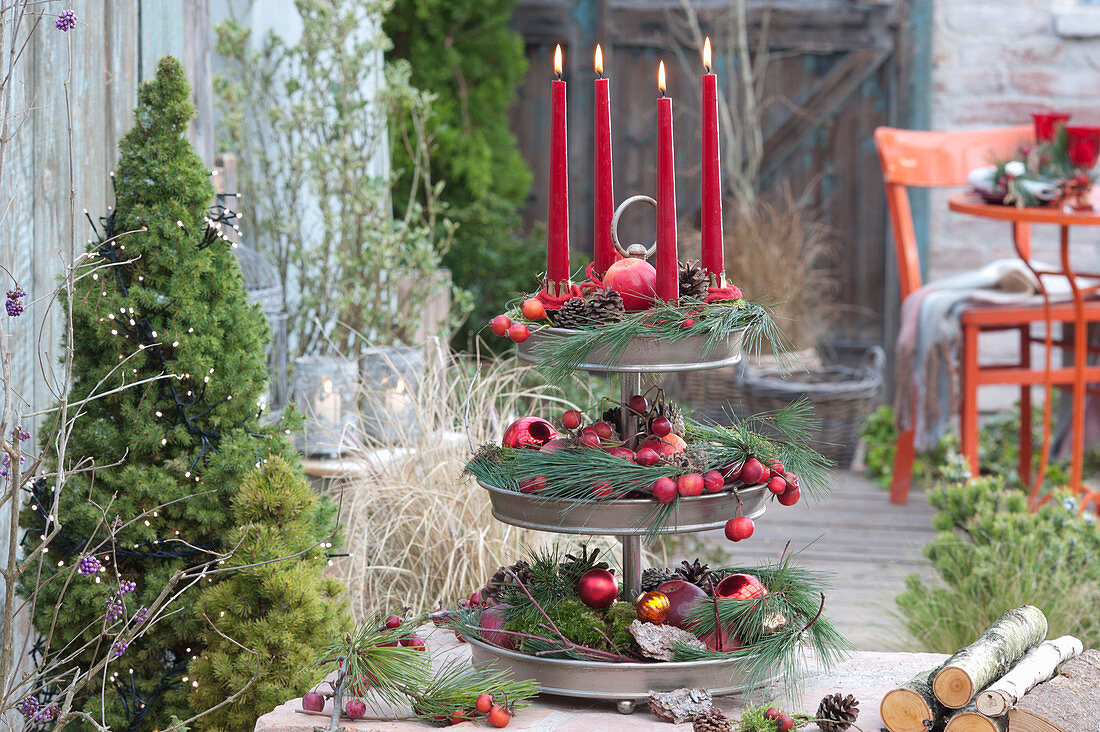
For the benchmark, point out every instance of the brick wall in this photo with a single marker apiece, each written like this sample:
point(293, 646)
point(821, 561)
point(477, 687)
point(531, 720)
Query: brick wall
point(994, 62)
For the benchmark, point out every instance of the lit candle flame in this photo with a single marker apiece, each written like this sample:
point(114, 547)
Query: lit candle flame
point(326, 386)
point(557, 60)
point(661, 77)
point(706, 54)
point(599, 60)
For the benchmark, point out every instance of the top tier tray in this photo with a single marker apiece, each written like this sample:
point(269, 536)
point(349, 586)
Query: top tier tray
point(644, 355)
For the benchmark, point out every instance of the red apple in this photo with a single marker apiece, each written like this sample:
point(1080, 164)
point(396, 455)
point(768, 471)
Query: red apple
point(533, 309)
point(667, 446)
point(558, 443)
point(638, 404)
point(415, 642)
point(789, 497)
point(500, 324)
point(646, 456)
point(739, 528)
point(393, 621)
point(602, 489)
point(532, 485)
point(621, 452)
point(313, 702)
point(636, 280)
point(589, 438)
point(571, 419)
point(664, 490)
point(773, 713)
point(690, 484)
point(732, 471)
point(777, 485)
point(729, 641)
point(492, 620)
point(519, 332)
point(713, 482)
point(681, 596)
point(355, 709)
point(752, 472)
point(604, 430)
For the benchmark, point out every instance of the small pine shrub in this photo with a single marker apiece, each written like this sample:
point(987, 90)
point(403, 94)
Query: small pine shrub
point(283, 612)
point(992, 554)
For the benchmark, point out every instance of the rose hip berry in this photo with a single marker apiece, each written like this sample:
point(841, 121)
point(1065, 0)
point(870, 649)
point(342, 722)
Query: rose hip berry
point(500, 324)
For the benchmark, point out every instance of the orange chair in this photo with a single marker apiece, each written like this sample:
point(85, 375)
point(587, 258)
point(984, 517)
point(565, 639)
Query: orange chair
point(943, 159)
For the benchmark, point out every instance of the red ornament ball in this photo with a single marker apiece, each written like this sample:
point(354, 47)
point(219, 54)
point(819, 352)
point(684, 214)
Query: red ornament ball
point(602, 489)
point(533, 432)
point(740, 586)
point(598, 589)
point(739, 528)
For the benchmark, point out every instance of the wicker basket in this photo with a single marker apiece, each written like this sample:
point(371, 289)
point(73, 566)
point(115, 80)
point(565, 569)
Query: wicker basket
point(841, 396)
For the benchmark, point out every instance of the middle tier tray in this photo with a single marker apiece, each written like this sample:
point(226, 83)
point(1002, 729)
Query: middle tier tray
point(624, 516)
point(644, 355)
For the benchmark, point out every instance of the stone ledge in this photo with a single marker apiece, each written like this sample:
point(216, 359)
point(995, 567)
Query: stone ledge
point(866, 675)
point(1077, 23)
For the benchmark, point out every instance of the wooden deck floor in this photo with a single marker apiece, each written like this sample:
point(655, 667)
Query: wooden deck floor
point(869, 543)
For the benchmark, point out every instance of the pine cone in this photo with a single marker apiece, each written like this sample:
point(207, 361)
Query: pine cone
point(711, 720)
point(693, 280)
point(605, 306)
point(672, 412)
point(502, 578)
point(695, 573)
point(654, 577)
point(842, 712)
point(574, 566)
point(573, 314)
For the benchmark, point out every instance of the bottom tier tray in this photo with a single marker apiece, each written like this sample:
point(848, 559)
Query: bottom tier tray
point(624, 517)
point(619, 682)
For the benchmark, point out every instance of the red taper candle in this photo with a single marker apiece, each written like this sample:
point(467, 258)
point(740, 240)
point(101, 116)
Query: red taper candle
point(668, 268)
point(557, 225)
point(711, 226)
point(603, 251)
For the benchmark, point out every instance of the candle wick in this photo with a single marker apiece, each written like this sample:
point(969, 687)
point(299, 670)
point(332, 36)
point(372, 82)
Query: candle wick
point(707, 69)
point(557, 76)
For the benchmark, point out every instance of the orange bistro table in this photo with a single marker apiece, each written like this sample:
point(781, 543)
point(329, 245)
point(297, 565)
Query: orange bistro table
point(972, 204)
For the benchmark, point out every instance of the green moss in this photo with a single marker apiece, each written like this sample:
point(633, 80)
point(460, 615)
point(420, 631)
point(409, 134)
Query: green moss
point(618, 618)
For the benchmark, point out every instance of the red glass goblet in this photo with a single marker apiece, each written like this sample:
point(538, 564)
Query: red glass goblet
point(1047, 124)
point(1083, 146)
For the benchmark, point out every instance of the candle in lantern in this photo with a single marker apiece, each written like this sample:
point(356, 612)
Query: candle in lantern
point(327, 405)
point(604, 254)
point(668, 272)
point(557, 234)
point(711, 225)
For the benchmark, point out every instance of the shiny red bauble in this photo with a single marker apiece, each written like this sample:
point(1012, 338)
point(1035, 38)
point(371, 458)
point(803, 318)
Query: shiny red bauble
point(533, 432)
point(636, 280)
point(739, 528)
point(740, 586)
point(598, 589)
point(682, 596)
point(720, 640)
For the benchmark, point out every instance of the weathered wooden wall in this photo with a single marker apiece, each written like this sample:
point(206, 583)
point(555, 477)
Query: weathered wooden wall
point(831, 83)
point(115, 45)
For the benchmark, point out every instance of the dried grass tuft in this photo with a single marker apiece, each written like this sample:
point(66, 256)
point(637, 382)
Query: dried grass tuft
point(417, 529)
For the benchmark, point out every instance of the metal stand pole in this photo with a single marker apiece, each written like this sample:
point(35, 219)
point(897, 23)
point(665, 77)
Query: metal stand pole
point(630, 384)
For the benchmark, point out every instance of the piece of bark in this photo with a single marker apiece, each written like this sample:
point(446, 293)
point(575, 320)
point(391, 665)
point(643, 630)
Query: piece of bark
point(912, 707)
point(1070, 702)
point(969, 719)
point(656, 641)
point(1039, 665)
point(986, 659)
point(680, 705)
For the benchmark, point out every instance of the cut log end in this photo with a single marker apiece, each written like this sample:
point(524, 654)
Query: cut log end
point(992, 703)
point(953, 687)
point(903, 710)
point(974, 722)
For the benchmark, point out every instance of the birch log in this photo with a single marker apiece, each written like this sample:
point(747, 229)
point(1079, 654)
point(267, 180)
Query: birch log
point(1070, 702)
point(990, 656)
point(912, 707)
point(969, 719)
point(1040, 664)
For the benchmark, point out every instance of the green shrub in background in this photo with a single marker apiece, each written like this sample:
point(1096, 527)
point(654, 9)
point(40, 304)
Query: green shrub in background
point(992, 555)
point(282, 610)
point(464, 53)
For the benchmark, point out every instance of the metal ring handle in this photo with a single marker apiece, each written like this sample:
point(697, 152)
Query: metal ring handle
point(615, 224)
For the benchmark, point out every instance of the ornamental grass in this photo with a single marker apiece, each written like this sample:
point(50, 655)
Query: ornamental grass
point(418, 530)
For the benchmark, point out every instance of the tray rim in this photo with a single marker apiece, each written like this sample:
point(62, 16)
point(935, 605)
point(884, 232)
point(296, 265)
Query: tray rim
point(525, 352)
point(595, 530)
